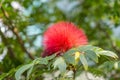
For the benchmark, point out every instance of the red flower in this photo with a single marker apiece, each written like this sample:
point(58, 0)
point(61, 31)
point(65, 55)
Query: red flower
point(61, 37)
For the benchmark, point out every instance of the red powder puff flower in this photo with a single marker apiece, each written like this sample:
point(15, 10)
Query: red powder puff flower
point(61, 37)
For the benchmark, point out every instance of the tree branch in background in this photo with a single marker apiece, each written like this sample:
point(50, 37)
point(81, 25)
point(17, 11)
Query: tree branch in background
point(112, 43)
point(4, 40)
point(15, 31)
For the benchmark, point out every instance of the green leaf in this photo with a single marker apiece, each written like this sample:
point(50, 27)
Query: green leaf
point(4, 75)
point(30, 66)
point(97, 49)
point(60, 64)
point(50, 57)
point(70, 57)
point(118, 62)
point(29, 72)
point(96, 71)
point(92, 55)
point(108, 66)
point(85, 48)
point(42, 61)
point(108, 53)
point(36, 61)
point(84, 61)
point(21, 70)
point(116, 65)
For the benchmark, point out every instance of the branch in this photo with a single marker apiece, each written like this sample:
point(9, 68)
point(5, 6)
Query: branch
point(15, 31)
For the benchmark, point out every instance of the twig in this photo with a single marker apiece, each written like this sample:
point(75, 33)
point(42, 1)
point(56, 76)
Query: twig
point(74, 73)
point(15, 31)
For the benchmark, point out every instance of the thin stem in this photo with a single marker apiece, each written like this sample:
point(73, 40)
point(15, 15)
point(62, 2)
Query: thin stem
point(74, 73)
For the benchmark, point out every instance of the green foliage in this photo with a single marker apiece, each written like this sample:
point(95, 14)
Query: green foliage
point(69, 56)
point(99, 19)
point(21, 70)
point(84, 61)
point(60, 63)
point(108, 53)
point(10, 73)
point(30, 66)
point(92, 55)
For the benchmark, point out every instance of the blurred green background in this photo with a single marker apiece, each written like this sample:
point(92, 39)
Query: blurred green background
point(22, 23)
